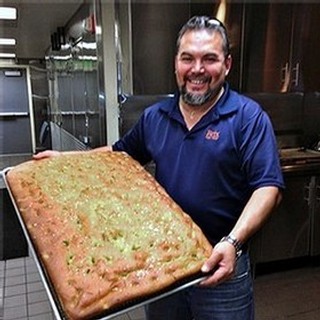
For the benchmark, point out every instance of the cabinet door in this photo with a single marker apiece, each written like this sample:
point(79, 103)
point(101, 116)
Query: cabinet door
point(15, 120)
point(267, 44)
point(13, 243)
point(305, 48)
point(315, 230)
point(287, 233)
point(281, 47)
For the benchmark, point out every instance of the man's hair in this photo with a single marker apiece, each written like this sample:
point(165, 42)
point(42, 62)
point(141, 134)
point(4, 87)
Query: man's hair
point(205, 23)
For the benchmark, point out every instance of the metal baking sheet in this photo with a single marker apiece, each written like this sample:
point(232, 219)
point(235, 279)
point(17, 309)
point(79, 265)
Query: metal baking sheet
point(52, 296)
point(56, 307)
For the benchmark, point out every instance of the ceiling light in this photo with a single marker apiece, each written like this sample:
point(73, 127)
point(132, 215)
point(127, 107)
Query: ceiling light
point(7, 55)
point(7, 41)
point(12, 73)
point(8, 13)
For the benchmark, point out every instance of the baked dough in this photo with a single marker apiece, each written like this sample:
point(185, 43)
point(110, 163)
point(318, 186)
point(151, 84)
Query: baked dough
point(106, 232)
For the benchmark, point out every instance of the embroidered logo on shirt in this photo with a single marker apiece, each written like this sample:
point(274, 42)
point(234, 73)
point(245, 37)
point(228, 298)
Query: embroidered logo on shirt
point(212, 135)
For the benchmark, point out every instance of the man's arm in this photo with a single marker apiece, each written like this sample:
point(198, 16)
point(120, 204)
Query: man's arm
point(258, 209)
point(54, 153)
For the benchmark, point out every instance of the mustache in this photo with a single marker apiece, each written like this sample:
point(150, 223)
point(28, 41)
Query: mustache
point(201, 78)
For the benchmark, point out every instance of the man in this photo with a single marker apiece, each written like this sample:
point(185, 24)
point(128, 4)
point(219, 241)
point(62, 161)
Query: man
point(216, 155)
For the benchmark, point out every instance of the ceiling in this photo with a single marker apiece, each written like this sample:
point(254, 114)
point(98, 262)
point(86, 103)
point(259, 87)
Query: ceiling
point(37, 20)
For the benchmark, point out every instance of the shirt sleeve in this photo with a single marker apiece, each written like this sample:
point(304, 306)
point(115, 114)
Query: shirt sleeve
point(258, 149)
point(133, 143)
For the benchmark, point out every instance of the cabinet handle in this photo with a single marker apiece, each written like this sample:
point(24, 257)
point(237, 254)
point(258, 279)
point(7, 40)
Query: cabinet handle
point(285, 73)
point(285, 77)
point(318, 193)
point(307, 193)
point(296, 72)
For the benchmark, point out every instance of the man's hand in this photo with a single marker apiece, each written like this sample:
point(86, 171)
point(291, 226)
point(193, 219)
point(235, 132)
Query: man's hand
point(54, 153)
point(221, 264)
point(46, 154)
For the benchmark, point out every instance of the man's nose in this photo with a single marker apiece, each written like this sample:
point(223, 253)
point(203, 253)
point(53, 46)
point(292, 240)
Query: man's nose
point(198, 66)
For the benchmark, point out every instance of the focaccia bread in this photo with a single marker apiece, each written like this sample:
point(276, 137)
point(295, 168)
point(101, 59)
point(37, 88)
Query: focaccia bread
point(105, 230)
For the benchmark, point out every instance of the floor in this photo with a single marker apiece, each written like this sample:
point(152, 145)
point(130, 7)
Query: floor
point(287, 294)
point(24, 297)
point(292, 294)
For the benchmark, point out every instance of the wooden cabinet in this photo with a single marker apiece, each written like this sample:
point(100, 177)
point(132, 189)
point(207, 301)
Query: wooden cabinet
point(281, 45)
point(286, 235)
point(293, 231)
point(315, 222)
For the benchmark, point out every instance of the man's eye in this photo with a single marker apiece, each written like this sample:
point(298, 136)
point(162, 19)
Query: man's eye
point(210, 60)
point(186, 59)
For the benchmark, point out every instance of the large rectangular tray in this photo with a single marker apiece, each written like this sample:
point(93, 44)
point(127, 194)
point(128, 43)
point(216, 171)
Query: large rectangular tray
point(52, 296)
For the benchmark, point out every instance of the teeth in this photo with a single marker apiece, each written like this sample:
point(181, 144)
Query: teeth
point(197, 81)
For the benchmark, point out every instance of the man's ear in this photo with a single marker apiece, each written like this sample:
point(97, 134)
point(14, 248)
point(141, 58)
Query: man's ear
point(228, 62)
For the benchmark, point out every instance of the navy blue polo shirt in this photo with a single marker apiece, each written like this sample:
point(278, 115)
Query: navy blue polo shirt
point(212, 169)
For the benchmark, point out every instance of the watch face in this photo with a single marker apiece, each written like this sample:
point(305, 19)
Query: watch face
point(232, 240)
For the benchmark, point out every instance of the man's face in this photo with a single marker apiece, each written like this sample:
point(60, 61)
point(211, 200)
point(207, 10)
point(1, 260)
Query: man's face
point(201, 67)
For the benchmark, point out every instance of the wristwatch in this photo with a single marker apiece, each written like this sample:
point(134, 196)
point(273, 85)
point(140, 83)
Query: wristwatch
point(235, 242)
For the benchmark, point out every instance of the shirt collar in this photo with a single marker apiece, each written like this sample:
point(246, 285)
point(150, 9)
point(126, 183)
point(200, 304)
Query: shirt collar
point(228, 103)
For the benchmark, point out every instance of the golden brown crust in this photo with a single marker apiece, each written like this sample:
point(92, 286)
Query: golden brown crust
point(105, 230)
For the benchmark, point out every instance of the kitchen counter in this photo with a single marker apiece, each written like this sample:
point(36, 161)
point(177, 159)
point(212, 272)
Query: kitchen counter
point(309, 168)
point(300, 160)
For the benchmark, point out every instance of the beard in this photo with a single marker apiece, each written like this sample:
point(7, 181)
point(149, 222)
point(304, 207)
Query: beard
point(194, 99)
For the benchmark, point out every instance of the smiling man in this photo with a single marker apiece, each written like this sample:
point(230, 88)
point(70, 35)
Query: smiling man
point(216, 155)
point(202, 63)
